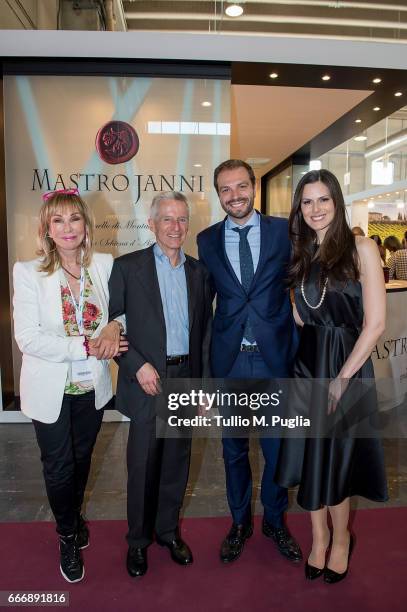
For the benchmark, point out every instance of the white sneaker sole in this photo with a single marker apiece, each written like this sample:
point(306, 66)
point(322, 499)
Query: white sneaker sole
point(71, 581)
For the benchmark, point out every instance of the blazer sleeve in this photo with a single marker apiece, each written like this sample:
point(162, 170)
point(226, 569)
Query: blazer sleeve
point(131, 361)
point(201, 256)
point(31, 337)
point(104, 262)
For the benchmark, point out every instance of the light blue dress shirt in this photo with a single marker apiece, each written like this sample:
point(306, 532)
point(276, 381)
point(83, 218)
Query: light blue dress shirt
point(232, 240)
point(174, 297)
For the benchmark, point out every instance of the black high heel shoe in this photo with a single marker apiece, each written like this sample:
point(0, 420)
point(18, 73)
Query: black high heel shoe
point(311, 572)
point(331, 577)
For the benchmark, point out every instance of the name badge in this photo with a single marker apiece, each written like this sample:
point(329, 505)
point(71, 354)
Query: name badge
point(81, 371)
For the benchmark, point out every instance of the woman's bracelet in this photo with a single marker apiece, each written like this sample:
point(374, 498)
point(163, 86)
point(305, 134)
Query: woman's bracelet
point(86, 345)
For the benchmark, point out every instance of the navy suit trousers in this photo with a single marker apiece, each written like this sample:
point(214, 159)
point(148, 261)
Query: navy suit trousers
point(237, 465)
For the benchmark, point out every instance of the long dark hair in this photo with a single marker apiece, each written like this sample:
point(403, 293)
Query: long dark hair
point(337, 254)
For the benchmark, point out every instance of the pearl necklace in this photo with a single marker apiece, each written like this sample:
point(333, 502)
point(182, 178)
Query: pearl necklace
point(322, 296)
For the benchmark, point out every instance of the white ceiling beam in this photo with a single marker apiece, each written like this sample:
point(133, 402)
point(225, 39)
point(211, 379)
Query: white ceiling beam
point(284, 19)
point(333, 4)
point(204, 46)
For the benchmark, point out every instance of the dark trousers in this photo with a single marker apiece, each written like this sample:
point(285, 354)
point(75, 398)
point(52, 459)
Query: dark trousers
point(237, 465)
point(66, 452)
point(157, 478)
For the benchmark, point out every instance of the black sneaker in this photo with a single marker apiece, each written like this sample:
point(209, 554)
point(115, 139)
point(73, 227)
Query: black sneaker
point(71, 565)
point(82, 533)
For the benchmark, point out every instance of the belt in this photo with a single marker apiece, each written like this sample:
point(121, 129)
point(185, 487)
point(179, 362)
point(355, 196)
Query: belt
point(249, 348)
point(176, 359)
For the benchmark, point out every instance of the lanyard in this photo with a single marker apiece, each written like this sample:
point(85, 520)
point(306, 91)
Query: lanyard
point(79, 305)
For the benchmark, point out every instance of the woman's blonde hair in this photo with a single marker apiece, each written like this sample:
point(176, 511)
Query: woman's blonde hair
point(56, 204)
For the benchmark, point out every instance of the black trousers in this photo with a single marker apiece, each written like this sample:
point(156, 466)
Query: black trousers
point(66, 452)
point(157, 478)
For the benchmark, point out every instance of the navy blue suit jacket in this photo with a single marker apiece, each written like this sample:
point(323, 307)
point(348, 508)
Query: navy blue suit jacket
point(267, 301)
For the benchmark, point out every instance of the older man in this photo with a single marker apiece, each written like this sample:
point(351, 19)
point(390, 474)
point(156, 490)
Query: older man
point(165, 296)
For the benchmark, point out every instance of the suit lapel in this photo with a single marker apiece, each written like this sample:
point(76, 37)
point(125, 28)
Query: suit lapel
point(265, 239)
point(221, 248)
point(147, 274)
point(51, 295)
point(191, 291)
point(93, 271)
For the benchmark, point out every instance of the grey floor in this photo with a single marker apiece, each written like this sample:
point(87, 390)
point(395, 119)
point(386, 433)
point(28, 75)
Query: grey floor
point(23, 498)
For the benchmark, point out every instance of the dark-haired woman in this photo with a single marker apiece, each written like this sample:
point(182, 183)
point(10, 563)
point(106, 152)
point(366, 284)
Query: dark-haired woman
point(340, 302)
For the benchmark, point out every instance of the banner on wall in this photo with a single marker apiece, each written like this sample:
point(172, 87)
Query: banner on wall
point(390, 353)
point(120, 141)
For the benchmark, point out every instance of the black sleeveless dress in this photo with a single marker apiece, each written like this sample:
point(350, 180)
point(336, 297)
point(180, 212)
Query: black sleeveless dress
point(331, 467)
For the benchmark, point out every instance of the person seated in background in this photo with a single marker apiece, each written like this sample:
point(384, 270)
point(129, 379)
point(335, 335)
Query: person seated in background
point(404, 241)
point(357, 231)
point(376, 238)
point(398, 266)
point(392, 244)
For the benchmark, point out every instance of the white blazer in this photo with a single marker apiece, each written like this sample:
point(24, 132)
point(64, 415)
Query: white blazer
point(47, 350)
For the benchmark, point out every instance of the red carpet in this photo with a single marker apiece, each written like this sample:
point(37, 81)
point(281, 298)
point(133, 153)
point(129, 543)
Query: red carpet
point(260, 581)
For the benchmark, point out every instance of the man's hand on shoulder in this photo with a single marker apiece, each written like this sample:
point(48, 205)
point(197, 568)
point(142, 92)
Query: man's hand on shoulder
point(149, 379)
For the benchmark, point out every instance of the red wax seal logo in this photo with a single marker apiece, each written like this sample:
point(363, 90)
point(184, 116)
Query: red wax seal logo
point(117, 142)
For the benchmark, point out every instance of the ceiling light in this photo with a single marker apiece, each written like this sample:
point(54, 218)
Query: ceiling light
point(234, 10)
point(315, 164)
point(358, 120)
point(398, 94)
point(273, 75)
point(206, 103)
point(197, 165)
point(360, 138)
point(370, 205)
point(326, 77)
point(376, 108)
point(377, 80)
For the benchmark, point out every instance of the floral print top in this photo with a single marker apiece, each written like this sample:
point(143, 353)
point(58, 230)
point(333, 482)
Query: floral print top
point(92, 316)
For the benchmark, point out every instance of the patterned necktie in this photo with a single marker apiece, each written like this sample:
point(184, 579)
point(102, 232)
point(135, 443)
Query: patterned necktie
point(246, 272)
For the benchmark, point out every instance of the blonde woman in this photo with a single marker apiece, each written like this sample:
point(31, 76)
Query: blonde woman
point(60, 314)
